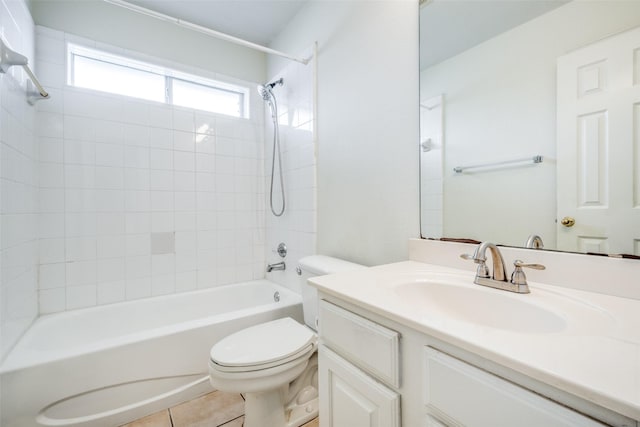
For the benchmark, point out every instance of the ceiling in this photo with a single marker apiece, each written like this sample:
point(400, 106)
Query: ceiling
point(258, 21)
point(449, 27)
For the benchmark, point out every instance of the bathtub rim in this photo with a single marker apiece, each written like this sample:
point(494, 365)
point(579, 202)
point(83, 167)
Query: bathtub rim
point(14, 362)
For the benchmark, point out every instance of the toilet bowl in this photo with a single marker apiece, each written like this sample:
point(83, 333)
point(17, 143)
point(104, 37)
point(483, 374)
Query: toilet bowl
point(274, 364)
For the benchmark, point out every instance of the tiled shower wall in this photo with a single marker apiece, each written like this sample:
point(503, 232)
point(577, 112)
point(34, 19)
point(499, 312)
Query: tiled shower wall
point(297, 226)
point(139, 198)
point(18, 183)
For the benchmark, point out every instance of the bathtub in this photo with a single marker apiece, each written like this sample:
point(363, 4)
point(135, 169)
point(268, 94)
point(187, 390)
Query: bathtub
point(108, 365)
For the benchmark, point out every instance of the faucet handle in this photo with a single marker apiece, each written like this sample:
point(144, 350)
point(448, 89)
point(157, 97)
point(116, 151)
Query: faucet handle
point(518, 277)
point(518, 264)
point(482, 270)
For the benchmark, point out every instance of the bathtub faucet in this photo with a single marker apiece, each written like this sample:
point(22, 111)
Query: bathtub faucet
point(277, 266)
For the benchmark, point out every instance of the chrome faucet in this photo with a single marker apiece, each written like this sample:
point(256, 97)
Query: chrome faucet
point(498, 279)
point(277, 266)
point(534, 242)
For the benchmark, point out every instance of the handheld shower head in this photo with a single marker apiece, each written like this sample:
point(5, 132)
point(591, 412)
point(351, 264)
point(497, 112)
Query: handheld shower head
point(265, 92)
point(265, 89)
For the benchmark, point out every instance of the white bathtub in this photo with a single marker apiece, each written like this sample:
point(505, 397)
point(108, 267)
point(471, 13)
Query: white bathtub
point(107, 365)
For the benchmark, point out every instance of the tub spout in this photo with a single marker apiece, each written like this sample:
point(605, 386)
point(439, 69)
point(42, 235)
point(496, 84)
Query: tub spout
point(277, 266)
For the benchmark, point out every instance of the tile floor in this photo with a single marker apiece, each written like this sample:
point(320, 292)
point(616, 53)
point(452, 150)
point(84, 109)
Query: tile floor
point(216, 409)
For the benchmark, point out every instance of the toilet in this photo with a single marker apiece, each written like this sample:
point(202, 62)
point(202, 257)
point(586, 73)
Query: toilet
point(274, 364)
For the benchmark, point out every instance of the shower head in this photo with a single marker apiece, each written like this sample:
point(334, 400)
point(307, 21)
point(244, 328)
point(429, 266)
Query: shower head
point(265, 89)
point(265, 92)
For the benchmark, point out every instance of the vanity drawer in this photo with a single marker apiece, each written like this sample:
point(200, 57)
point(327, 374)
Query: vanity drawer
point(367, 344)
point(457, 393)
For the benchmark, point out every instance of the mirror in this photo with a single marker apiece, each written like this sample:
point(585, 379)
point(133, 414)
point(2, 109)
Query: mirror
point(534, 104)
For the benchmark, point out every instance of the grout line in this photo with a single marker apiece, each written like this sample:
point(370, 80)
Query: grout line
point(170, 417)
point(233, 419)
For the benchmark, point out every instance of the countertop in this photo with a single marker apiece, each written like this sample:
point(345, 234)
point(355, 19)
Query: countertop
point(596, 356)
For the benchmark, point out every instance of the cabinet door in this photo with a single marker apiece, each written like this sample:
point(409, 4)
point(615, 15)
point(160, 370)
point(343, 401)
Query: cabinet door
point(350, 398)
point(461, 394)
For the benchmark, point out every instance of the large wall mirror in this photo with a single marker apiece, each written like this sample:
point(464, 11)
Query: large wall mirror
point(530, 122)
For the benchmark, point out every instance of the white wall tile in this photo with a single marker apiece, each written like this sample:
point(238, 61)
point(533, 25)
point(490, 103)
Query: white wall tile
point(51, 175)
point(138, 288)
point(79, 176)
point(184, 201)
point(81, 273)
point(79, 152)
point(109, 178)
point(160, 159)
point(52, 300)
point(161, 138)
point(137, 201)
point(184, 161)
point(111, 246)
point(114, 170)
point(111, 270)
point(111, 292)
point(51, 200)
point(160, 116)
point(50, 150)
point(137, 223)
point(138, 244)
point(109, 155)
point(184, 120)
point(162, 222)
point(52, 275)
point(51, 225)
point(184, 141)
point(79, 128)
point(136, 157)
point(137, 135)
point(80, 249)
point(162, 201)
point(163, 285)
point(51, 250)
point(110, 223)
point(81, 296)
point(137, 267)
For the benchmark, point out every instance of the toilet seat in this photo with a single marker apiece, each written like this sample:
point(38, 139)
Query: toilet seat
point(263, 346)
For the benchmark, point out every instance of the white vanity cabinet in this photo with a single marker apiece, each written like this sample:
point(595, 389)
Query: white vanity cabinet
point(357, 367)
point(374, 371)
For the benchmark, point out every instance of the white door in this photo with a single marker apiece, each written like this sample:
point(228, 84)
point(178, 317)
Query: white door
point(599, 146)
point(350, 398)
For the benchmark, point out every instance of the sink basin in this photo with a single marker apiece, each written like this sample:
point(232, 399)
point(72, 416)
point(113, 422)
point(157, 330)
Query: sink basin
point(480, 306)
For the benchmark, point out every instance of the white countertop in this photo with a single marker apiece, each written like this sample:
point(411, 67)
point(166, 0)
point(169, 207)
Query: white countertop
point(595, 356)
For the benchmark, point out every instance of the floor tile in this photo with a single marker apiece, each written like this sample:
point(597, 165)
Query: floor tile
point(313, 423)
point(234, 423)
point(212, 409)
point(159, 419)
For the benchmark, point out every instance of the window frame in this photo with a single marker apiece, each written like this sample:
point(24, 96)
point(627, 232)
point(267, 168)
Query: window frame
point(169, 75)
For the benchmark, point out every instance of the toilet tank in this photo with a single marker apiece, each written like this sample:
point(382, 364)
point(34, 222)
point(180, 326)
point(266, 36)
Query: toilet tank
point(318, 265)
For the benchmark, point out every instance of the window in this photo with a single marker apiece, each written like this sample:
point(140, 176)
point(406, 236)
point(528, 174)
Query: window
point(96, 70)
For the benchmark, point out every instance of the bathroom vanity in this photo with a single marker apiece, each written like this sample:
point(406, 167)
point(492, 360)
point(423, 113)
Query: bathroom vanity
point(417, 344)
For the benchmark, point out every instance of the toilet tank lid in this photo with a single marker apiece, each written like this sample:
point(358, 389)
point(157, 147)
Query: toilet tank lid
point(322, 264)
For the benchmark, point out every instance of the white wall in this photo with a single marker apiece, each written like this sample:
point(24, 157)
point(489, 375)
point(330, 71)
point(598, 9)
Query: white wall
point(500, 103)
point(367, 124)
point(18, 184)
point(107, 23)
point(119, 175)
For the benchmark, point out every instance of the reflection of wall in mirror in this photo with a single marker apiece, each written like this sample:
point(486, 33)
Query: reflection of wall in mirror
point(501, 98)
point(431, 140)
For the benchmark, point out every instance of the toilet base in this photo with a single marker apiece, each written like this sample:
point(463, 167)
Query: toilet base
point(265, 409)
point(292, 405)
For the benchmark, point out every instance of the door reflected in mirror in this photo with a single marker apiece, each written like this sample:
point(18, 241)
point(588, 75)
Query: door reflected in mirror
point(529, 113)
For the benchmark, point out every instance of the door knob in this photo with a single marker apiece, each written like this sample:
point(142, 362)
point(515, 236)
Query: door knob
point(567, 221)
